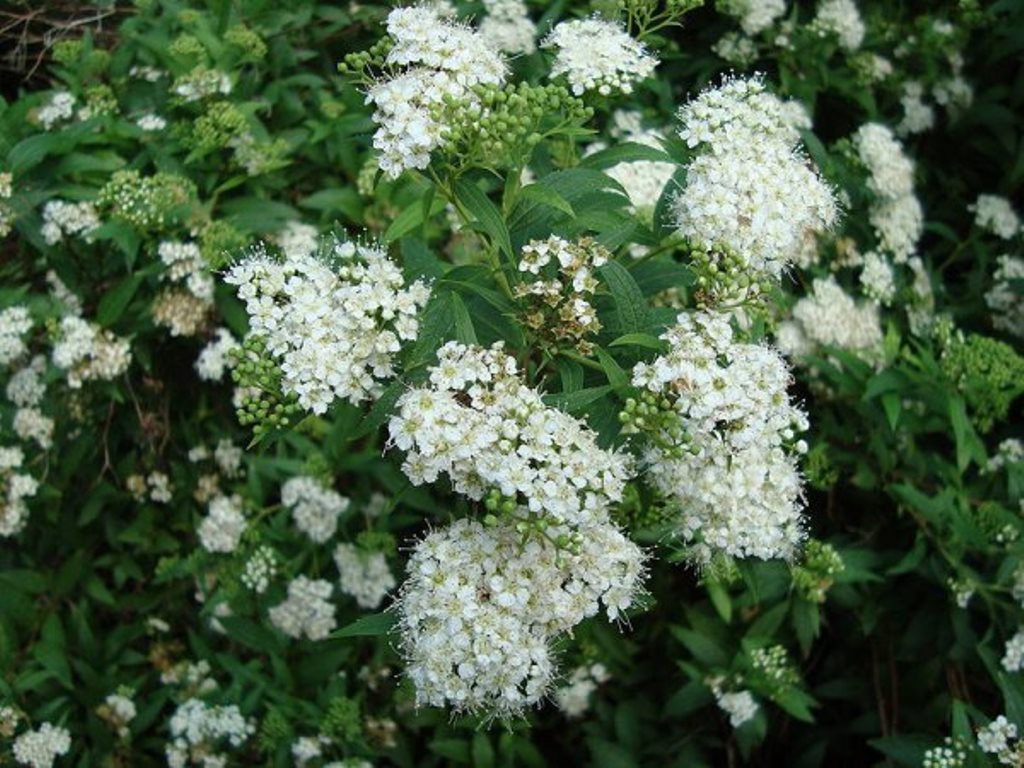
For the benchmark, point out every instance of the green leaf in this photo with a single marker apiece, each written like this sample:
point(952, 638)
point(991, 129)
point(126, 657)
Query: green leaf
point(483, 752)
point(616, 376)
point(117, 299)
point(968, 444)
point(703, 648)
point(644, 340)
point(576, 400)
point(374, 625)
point(626, 152)
point(464, 330)
point(630, 306)
point(251, 634)
point(547, 196)
point(343, 200)
point(485, 212)
point(410, 218)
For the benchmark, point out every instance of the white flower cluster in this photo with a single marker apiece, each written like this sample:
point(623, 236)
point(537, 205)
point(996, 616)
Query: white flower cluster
point(364, 575)
point(25, 390)
point(440, 61)
point(736, 48)
point(643, 180)
point(1004, 299)
point(86, 352)
point(877, 278)
point(15, 322)
point(755, 16)
point(215, 358)
point(119, 710)
point(999, 738)
point(828, 316)
point(918, 117)
point(200, 733)
point(63, 219)
point(15, 487)
point(842, 19)
point(950, 754)
point(573, 698)
point(297, 240)
point(183, 309)
point(736, 481)
point(60, 107)
point(306, 611)
point(333, 321)
point(150, 122)
point(201, 83)
point(598, 55)
point(750, 188)
point(1013, 654)
point(740, 706)
point(1009, 452)
point(481, 609)
point(896, 214)
point(222, 528)
point(479, 424)
point(39, 748)
point(995, 214)
point(307, 748)
point(314, 507)
point(508, 26)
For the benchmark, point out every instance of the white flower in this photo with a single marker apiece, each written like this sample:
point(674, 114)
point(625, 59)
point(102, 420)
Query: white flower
point(877, 278)
point(438, 62)
point(508, 27)
point(749, 189)
point(481, 609)
point(215, 358)
point(222, 528)
point(39, 748)
point(151, 122)
point(315, 508)
point(1013, 656)
point(61, 218)
point(734, 480)
point(59, 108)
point(573, 698)
point(841, 18)
point(306, 611)
point(298, 240)
point(1006, 301)
point(830, 316)
point(596, 54)
point(891, 171)
point(87, 352)
point(479, 424)
point(15, 322)
point(31, 424)
point(995, 214)
point(917, 116)
point(364, 575)
point(755, 16)
point(200, 733)
point(334, 322)
point(740, 706)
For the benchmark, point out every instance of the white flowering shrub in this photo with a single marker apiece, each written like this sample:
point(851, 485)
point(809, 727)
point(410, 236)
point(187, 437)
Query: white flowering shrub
point(612, 383)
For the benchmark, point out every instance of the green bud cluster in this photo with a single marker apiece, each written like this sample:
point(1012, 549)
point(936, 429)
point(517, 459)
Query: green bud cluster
point(189, 17)
point(343, 720)
point(722, 276)
point(499, 506)
point(366, 181)
point(656, 417)
point(774, 666)
point(100, 100)
point(148, 203)
point(357, 64)
point(187, 47)
point(816, 574)
point(635, 514)
point(212, 130)
point(259, 157)
point(501, 124)
point(246, 41)
point(218, 241)
point(274, 731)
point(265, 407)
point(987, 372)
point(66, 52)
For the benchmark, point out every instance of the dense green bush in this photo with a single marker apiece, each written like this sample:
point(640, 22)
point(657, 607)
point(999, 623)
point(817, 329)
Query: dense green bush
point(354, 360)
